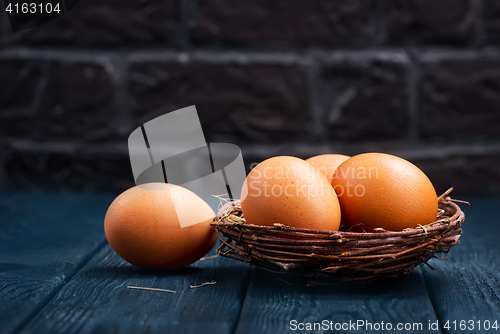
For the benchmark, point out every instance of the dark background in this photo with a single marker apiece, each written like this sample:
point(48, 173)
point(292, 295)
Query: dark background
point(419, 79)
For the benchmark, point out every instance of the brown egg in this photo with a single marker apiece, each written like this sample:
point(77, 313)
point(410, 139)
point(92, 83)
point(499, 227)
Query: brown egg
point(382, 190)
point(327, 163)
point(142, 226)
point(289, 191)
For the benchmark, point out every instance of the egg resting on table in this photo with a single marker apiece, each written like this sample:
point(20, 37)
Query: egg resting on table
point(142, 226)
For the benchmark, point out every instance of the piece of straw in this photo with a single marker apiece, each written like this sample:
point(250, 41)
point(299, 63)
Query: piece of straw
point(150, 289)
point(203, 284)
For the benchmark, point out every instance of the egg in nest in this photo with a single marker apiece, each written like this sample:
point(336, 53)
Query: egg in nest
point(289, 191)
point(327, 163)
point(382, 190)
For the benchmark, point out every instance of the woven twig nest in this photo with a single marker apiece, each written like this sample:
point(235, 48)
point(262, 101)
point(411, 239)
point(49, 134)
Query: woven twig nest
point(336, 256)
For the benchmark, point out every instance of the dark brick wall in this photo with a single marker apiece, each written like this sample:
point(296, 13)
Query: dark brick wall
point(260, 102)
point(51, 99)
point(415, 78)
point(327, 22)
point(105, 23)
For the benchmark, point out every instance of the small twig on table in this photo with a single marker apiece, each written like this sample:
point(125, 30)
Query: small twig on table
point(284, 280)
point(150, 289)
point(209, 257)
point(203, 284)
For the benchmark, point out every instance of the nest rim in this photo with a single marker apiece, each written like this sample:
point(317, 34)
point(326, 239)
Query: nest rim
point(363, 252)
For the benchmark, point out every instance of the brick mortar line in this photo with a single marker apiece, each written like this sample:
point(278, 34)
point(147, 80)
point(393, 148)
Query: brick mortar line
point(477, 10)
point(186, 11)
point(118, 70)
point(54, 54)
point(318, 128)
point(398, 55)
point(390, 55)
point(412, 149)
point(436, 55)
point(413, 91)
point(220, 57)
point(416, 151)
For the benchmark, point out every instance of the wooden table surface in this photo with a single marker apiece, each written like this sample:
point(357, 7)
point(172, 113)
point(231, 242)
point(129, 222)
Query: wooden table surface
point(59, 275)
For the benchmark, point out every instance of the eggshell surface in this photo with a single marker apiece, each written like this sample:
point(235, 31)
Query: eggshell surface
point(142, 226)
point(327, 163)
point(382, 190)
point(289, 191)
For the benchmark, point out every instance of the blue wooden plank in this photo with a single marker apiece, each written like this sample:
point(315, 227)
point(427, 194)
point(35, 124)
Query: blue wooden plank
point(36, 259)
point(272, 305)
point(97, 299)
point(44, 240)
point(466, 288)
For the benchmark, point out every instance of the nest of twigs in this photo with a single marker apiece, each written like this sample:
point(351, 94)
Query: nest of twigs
point(337, 256)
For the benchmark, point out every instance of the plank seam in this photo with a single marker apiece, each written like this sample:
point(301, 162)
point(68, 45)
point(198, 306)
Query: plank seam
point(434, 309)
point(22, 324)
point(244, 298)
